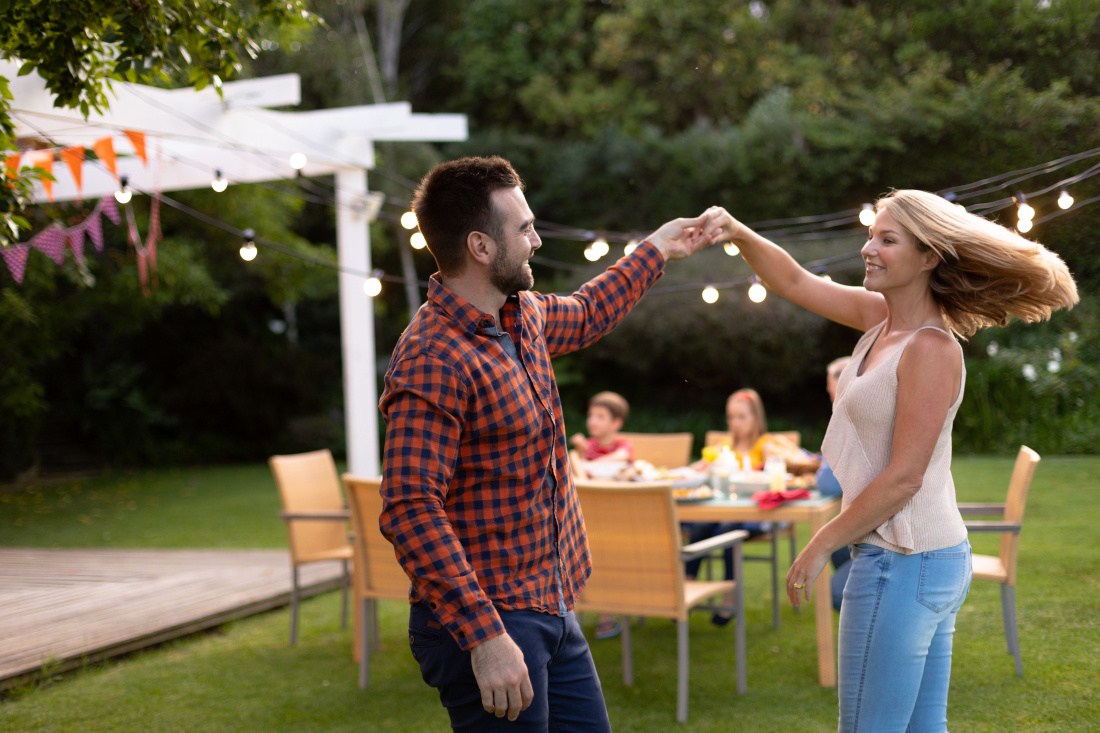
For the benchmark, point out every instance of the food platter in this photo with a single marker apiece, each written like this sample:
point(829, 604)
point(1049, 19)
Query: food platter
point(696, 493)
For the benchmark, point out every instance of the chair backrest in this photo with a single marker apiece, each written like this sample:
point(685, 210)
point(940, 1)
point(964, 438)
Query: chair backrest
point(668, 450)
point(308, 482)
point(722, 437)
point(378, 574)
point(634, 538)
point(1015, 502)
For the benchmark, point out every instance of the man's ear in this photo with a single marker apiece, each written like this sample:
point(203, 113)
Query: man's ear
point(481, 247)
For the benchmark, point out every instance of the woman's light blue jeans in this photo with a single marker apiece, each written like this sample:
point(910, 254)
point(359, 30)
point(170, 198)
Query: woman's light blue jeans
point(896, 626)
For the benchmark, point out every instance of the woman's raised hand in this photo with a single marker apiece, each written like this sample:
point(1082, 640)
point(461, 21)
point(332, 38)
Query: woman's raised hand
point(721, 226)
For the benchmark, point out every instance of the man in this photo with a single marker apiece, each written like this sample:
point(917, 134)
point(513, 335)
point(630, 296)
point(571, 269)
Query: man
point(478, 499)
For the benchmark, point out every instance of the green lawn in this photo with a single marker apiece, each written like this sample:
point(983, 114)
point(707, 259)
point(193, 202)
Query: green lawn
point(245, 678)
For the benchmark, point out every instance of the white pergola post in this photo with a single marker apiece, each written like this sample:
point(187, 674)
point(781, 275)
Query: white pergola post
point(357, 324)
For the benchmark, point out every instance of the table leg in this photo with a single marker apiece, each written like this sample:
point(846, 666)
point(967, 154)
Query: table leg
point(357, 620)
point(823, 617)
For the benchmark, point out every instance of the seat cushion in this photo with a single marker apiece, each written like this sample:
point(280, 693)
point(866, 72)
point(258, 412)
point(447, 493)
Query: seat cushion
point(988, 567)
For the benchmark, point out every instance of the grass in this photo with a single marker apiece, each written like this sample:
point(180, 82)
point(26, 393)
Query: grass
point(243, 677)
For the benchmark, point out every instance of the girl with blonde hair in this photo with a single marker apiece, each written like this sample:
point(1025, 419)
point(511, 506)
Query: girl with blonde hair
point(932, 274)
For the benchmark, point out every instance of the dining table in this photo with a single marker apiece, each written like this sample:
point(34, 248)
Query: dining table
point(814, 511)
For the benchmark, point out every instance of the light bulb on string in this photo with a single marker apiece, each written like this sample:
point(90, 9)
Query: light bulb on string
point(590, 254)
point(731, 249)
point(710, 294)
point(1024, 226)
point(417, 241)
point(298, 161)
point(373, 284)
point(867, 215)
point(123, 194)
point(248, 249)
point(219, 183)
point(757, 292)
point(630, 246)
point(825, 276)
point(1064, 199)
point(1023, 209)
point(600, 247)
point(408, 220)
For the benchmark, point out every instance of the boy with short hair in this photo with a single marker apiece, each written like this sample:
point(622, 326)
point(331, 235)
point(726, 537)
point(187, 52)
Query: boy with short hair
point(607, 412)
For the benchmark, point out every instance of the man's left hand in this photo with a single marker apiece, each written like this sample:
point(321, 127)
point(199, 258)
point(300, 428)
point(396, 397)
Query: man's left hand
point(680, 238)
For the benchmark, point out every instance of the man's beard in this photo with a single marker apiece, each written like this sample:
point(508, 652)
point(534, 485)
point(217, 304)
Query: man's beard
point(507, 278)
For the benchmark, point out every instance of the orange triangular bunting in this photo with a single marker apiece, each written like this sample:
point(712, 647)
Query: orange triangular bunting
point(138, 141)
point(74, 158)
point(104, 149)
point(43, 159)
point(12, 165)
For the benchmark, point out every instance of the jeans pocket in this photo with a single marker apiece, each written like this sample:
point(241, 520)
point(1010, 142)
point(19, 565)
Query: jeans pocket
point(944, 579)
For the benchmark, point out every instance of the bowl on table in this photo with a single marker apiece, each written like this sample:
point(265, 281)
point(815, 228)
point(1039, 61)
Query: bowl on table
point(605, 470)
point(747, 484)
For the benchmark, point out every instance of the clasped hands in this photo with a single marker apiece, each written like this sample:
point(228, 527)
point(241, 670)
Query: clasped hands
point(684, 237)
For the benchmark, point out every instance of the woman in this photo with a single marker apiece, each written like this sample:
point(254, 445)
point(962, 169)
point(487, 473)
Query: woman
point(932, 273)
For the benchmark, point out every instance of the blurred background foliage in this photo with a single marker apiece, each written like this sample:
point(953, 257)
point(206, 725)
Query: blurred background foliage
point(619, 115)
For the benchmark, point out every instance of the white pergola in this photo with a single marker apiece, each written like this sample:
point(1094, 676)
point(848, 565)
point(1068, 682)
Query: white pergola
point(190, 135)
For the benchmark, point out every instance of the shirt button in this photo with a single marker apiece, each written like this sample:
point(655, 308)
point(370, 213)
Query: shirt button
point(462, 634)
point(432, 605)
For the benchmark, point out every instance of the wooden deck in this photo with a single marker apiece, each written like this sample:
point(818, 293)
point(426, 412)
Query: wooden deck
point(63, 608)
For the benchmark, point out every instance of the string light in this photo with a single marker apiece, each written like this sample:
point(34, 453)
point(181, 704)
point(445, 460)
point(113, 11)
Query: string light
point(248, 249)
point(1024, 210)
point(825, 276)
point(590, 254)
point(373, 284)
point(1064, 199)
point(867, 215)
point(219, 183)
point(630, 246)
point(124, 194)
point(710, 294)
point(298, 161)
point(757, 292)
point(731, 249)
point(600, 247)
point(408, 220)
point(417, 241)
point(1024, 226)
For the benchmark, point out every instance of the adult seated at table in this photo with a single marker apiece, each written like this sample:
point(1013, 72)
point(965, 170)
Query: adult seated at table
point(828, 486)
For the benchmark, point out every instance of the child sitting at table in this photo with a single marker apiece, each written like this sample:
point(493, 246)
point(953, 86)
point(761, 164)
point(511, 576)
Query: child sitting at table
point(607, 412)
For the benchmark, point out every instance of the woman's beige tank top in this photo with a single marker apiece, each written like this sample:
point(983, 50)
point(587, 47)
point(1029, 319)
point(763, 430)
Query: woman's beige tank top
point(858, 446)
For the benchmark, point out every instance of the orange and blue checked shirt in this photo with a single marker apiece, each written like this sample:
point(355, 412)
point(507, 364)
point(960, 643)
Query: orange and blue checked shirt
point(471, 434)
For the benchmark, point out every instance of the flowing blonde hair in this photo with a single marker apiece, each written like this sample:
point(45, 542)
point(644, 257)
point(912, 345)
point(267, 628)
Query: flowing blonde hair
point(986, 272)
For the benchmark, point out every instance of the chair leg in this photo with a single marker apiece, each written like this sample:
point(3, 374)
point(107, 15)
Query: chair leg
point(344, 598)
point(294, 606)
point(364, 648)
point(681, 671)
point(793, 535)
point(739, 605)
point(628, 655)
point(375, 626)
point(775, 577)
point(1008, 605)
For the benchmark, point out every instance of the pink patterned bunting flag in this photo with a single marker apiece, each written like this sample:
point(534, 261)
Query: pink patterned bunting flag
point(51, 242)
point(109, 207)
point(76, 239)
point(94, 226)
point(16, 258)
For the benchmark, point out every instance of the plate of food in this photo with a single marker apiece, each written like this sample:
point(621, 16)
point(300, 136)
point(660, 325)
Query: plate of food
point(686, 478)
point(697, 493)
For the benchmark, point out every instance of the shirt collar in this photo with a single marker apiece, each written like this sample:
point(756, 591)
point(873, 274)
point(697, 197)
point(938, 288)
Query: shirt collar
point(462, 312)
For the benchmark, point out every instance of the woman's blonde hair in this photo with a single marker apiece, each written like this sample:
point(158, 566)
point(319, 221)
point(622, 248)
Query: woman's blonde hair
point(756, 406)
point(986, 272)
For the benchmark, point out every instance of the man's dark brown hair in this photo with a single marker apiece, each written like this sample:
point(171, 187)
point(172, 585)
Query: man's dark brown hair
point(454, 200)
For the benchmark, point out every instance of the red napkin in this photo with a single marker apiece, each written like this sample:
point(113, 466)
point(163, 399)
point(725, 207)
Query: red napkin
point(772, 499)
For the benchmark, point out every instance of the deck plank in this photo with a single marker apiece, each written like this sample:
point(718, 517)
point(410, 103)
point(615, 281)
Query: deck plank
point(65, 608)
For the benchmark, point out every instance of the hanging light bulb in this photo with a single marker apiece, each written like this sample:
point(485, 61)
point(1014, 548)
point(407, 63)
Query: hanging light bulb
point(373, 285)
point(298, 161)
point(710, 294)
point(825, 276)
point(757, 292)
point(417, 241)
point(1064, 199)
point(867, 215)
point(1023, 209)
point(630, 246)
point(731, 249)
point(219, 183)
point(600, 247)
point(248, 249)
point(123, 194)
point(408, 220)
point(1024, 226)
point(590, 254)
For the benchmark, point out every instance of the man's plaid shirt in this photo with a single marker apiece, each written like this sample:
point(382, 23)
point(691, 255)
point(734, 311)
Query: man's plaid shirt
point(470, 436)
